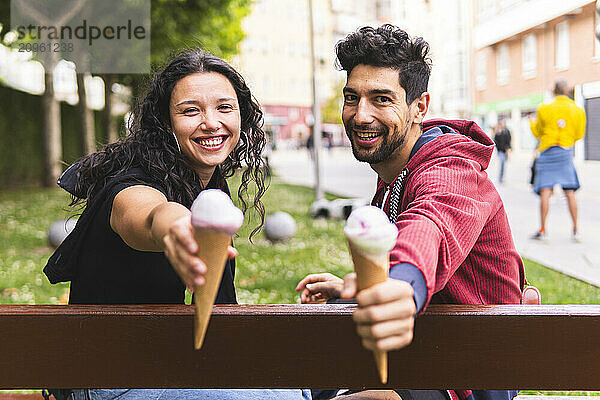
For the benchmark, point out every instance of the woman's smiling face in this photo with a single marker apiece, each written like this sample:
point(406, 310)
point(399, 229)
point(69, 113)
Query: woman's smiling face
point(206, 120)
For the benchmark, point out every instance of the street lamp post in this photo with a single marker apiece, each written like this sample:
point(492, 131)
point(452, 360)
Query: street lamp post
point(316, 109)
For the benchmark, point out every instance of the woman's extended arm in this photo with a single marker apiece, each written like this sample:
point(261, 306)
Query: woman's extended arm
point(146, 221)
point(142, 216)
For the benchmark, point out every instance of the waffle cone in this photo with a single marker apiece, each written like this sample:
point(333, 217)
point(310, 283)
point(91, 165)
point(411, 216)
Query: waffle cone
point(371, 270)
point(212, 249)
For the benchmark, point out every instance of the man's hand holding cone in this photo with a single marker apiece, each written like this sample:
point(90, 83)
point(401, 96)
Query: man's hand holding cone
point(370, 238)
point(385, 315)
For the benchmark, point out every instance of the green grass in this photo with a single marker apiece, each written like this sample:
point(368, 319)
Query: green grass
point(557, 393)
point(24, 220)
point(557, 288)
point(266, 273)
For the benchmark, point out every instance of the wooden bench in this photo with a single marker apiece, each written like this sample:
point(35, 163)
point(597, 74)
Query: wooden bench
point(297, 346)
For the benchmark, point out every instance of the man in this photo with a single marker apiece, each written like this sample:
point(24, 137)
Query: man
point(558, 126)
point(454, 243)
point(502, 139)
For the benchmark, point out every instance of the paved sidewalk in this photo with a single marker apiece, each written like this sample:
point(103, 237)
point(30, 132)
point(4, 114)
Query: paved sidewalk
point(344, 176)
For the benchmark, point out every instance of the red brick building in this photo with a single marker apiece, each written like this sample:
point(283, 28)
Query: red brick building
point(520, 48)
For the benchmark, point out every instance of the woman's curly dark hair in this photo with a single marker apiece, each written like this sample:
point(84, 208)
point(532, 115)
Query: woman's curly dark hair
point(151, 146)
point(391, 47)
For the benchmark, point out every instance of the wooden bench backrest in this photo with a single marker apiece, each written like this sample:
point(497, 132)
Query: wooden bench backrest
point(296, 346)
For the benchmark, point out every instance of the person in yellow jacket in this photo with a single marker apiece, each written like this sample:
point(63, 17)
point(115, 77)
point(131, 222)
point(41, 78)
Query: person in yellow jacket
point(558, 126)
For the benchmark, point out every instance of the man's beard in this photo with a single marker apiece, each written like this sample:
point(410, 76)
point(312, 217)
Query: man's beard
point(389, 143)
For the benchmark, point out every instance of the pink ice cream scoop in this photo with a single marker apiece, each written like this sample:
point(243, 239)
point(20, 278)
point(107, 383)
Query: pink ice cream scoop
point(214, 209)
point(369, 229)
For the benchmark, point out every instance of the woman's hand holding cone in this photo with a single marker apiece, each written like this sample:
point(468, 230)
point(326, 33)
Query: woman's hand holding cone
point(181, 250)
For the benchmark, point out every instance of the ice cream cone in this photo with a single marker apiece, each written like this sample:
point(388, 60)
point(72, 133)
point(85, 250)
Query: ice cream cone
point(371, 270)
point(212, 249)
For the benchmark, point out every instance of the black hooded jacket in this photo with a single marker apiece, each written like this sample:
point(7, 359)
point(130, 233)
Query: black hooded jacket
point(103, 269)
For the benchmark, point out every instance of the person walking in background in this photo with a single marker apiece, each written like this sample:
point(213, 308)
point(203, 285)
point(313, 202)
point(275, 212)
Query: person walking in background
point(310, 146)
point(502, 139)
point(558, 126)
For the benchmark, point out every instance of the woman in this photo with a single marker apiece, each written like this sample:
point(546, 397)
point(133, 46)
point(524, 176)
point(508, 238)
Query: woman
point(195, 126)
point(558, 125)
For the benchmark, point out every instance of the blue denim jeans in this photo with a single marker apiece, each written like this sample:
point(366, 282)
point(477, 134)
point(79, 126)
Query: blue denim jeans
point(191, 394)
point(502, 157)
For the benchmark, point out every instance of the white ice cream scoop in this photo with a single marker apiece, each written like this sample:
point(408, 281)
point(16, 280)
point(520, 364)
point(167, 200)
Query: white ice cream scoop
point(214, 209)
point(370, 238)
point(369, 229)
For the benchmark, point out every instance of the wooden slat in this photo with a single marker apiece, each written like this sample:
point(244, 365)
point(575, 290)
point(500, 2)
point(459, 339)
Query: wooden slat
point(477, 347)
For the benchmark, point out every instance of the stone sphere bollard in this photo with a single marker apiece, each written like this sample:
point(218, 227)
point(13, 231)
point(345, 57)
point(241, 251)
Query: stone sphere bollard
point(279, 227)
point(59, 230)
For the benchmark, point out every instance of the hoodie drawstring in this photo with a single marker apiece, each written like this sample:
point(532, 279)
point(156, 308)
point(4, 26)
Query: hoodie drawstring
point(392, 191)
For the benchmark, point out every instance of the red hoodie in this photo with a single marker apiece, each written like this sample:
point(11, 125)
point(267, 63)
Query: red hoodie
point(452, 223)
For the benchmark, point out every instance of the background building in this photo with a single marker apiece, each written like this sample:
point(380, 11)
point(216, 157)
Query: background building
point(446, 26)
point(275, 58)
point(520, 48)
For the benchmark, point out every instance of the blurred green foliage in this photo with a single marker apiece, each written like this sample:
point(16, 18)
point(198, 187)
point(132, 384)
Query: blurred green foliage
point(331, 110)
point(22, 138)
point(215, 25)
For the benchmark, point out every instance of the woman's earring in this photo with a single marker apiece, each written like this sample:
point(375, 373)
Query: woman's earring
point(176, 141)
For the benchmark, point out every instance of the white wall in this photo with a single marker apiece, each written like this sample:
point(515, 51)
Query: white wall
point(523, 16)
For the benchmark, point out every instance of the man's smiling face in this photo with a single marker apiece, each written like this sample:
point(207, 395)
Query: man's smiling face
point(375, 113)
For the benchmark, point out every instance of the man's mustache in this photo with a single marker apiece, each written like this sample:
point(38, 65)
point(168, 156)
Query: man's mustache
point(373, 127)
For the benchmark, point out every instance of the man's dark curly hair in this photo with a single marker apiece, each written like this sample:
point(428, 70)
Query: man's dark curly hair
point(151, 146)
point(391, 47)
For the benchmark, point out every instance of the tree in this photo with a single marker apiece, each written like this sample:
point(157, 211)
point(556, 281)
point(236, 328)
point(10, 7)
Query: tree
point(45, 15)
point(86, 118)
point(109, 130)
point(331, 110)
point(214, 25)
